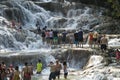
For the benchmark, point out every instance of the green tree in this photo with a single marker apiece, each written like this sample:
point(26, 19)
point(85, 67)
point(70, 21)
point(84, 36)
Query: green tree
point(115, 6)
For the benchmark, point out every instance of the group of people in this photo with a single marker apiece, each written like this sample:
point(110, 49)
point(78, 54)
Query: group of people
point(54, 37)
point(98, 39)
point(14, 73)
point(12, 24)
point(55, 70)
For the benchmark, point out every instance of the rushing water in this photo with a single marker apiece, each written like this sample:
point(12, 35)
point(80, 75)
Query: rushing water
point(29, 13)
point(25, 43)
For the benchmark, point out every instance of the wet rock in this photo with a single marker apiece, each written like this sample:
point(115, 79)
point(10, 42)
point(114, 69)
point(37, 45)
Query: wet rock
point(74, 57)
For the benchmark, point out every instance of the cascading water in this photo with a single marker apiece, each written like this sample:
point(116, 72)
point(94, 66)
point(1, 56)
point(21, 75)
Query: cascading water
point(29, 47)
point(13, 40)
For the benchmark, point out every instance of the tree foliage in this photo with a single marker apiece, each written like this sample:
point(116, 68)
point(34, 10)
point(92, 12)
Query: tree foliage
point(115, 6)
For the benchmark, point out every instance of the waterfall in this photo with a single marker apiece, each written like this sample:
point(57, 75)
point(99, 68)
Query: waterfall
point(29, 14)
point(12, 39)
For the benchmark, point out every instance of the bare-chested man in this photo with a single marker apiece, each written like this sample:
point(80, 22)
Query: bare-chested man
point(26, 72)
point(104, 43)
point(52, 71)
point(58, 68)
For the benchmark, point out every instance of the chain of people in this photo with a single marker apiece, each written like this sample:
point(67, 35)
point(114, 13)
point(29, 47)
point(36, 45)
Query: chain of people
point(77, 38)
point(13, 73)
point(55, 37)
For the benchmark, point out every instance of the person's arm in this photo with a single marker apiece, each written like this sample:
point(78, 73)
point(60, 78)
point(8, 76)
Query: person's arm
point(13, 75)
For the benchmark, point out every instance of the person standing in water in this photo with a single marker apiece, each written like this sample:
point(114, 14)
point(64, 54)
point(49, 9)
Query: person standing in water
point(39, 67)
point(31, 68)
point(16, 74)
point(58, 68)
point(26, 72)
point(52, 71)
point(104, 43)
point(65, 69)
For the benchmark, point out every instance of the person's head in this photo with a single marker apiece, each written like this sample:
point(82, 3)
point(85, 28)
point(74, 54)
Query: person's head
point(39, 60)
point(64, 63)
point(3, 63)
point(117, 50)
point(51, 62)
point(57, 61)
point(26, 63)
point(17, 68)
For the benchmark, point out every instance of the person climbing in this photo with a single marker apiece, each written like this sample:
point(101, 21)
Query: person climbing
point(99, 39)
point(51, 36)
point(38, 28)
point(26, 72)
point(90, 39)
point(76, 38)
point(16, 74)
point(47, 36)
point(52, 71)
point(64, 34)
point(13, 24)
point(58, 68)
point(71, 38)
point(55, 37)
point(65, 69)
point(31, 68)
point(44, 28)
point(95, 38)
point(80, 36)
point(39, 67)
point(104, 43)
point(117, 56)
point(43, 36)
